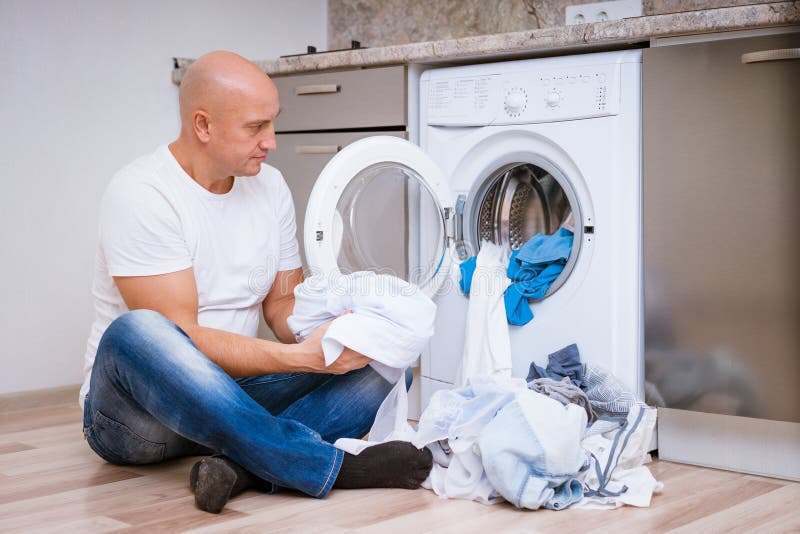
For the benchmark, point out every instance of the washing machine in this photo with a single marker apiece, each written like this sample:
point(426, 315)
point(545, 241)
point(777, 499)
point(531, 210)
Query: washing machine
point(506, 150)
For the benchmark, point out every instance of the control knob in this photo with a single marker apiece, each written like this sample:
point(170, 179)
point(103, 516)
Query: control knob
point(553, 98)
point(515, 102)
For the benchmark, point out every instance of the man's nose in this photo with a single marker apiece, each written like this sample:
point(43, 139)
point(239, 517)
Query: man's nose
point(267, 142)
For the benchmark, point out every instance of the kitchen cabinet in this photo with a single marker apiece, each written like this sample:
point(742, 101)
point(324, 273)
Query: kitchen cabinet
point(721, 133)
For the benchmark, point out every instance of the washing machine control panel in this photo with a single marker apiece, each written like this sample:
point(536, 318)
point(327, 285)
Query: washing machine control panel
point(530, 96)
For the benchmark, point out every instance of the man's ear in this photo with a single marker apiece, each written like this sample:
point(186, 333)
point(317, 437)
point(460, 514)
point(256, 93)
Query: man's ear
point(201, 126)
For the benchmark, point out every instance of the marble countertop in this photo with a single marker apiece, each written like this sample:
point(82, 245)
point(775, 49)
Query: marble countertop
point(529, 43)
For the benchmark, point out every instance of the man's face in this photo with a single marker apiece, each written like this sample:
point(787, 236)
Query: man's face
point(244, 131)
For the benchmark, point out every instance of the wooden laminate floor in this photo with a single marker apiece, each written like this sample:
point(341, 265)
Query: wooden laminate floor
point(50, 481)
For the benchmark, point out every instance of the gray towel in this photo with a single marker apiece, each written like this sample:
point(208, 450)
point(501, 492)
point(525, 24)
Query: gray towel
point(564, 392)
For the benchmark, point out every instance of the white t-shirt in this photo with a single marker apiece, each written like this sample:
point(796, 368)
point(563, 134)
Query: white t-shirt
point(155, 219)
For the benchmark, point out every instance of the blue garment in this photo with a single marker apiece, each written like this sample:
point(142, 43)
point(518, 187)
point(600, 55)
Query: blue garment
point(467, 268)
point(155, 396)
point(527, 286)
point(563, 362)
point(542, 249)
point(565, 495)
point(532, 269)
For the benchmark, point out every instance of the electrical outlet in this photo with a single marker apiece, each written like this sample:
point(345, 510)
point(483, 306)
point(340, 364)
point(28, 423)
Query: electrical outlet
point(601, 11)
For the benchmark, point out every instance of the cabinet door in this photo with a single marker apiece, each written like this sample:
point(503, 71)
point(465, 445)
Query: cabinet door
point(721, 152)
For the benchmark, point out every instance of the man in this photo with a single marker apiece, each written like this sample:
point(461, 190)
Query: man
point(194, 239)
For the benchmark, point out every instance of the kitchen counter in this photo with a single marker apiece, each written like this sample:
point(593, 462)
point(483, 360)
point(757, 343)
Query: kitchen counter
point(598, 35)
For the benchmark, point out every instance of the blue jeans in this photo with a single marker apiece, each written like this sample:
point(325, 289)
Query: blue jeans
point(155, 396)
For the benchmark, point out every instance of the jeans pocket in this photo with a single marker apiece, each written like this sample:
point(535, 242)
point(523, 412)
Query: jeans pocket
point(118, 444)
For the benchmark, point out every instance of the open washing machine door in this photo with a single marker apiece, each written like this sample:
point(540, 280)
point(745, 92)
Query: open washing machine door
point(381, 205)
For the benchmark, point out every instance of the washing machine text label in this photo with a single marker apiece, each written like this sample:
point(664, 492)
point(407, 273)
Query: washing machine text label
point(467, 97)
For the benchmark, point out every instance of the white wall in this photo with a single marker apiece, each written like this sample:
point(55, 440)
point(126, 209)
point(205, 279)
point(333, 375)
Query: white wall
point(84, 89)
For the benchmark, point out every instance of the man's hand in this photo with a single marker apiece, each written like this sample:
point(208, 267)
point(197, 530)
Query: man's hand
point(311, 350)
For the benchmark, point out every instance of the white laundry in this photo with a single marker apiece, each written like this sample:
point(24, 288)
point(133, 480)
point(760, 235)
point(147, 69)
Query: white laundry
point(391, 320)
point(487, 348)
point(617, 474)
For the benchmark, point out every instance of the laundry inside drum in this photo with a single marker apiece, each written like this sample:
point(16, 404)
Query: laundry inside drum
point(522, 200)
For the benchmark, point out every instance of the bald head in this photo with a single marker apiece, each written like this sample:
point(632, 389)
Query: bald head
point(228, 108)
point(217, 81)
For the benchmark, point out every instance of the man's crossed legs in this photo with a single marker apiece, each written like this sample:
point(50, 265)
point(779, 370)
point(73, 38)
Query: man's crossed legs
point(155, 396)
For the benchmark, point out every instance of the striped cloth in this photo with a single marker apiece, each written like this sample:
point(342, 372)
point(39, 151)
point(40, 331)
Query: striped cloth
point(608, 396)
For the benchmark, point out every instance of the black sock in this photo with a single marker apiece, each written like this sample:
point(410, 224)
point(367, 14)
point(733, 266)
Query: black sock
point(217, 479)
point(396, 464)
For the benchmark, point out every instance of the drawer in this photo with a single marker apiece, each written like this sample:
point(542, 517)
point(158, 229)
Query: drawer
point(301, 158)
point(364, 98)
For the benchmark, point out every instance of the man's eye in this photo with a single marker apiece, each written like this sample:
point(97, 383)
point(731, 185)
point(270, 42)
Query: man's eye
point(258, 127)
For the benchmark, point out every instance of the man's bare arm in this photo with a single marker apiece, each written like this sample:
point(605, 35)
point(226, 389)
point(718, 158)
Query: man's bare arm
point(174, 295)
point(279, 303)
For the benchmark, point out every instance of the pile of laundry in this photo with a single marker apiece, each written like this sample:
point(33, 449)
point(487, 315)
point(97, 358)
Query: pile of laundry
point(571, 435)
point(545, 443)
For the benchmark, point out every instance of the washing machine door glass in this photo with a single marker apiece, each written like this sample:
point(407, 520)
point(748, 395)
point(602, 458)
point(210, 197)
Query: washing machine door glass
point(382, 205)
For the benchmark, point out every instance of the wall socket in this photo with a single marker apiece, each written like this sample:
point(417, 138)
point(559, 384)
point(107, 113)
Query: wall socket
point(601, 11)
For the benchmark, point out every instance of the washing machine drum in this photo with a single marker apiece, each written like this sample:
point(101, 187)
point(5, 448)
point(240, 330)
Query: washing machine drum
point(519, 201)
